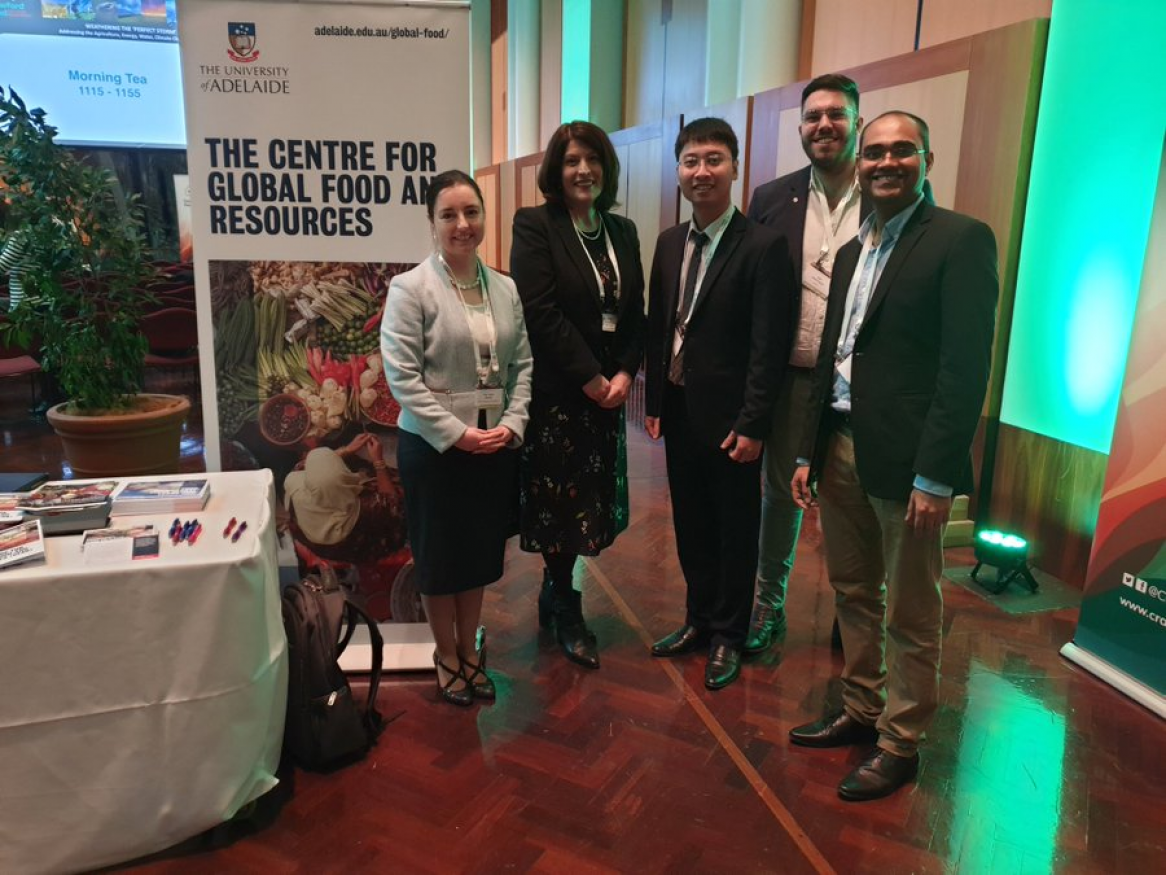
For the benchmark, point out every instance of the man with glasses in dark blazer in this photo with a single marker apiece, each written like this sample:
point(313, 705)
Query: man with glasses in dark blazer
point(898, 391)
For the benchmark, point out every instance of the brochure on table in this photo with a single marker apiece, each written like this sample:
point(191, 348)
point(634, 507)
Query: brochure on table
point(21, 543)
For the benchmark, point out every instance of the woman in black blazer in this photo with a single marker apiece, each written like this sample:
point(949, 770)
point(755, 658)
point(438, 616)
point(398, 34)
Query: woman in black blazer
point(578, 271)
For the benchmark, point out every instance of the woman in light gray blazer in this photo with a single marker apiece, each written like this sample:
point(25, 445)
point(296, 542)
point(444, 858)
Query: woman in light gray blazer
point(458, 362)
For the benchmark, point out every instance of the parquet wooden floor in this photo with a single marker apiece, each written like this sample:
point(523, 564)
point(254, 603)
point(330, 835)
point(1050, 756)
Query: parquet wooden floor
point(1033, 765)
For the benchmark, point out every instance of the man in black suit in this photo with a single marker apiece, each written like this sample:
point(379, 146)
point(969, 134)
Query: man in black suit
point(817, 209)
point(720, 317)
point(898, 391)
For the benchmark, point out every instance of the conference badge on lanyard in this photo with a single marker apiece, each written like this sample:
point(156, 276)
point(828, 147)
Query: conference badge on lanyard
point(488, 399)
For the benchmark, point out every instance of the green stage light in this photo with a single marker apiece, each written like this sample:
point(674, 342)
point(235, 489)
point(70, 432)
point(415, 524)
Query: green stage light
point(1008, 554)
point(1075, 301)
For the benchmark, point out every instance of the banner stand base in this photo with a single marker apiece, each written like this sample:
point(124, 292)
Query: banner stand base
point(408, 647)
point(1116, 678)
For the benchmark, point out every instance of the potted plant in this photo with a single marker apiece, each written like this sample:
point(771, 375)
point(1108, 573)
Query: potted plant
point(84, 272)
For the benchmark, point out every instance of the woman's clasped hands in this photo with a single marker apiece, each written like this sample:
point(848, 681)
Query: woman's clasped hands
point(608, 394)
point(485, 441)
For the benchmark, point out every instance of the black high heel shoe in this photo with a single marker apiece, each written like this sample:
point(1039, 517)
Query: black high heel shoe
point(481, 685)
point(463, 697)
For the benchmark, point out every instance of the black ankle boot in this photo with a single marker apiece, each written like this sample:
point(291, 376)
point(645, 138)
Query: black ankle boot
point(546, 598)
point(576, 640)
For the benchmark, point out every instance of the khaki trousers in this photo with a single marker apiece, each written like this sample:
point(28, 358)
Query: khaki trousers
point(888, 601)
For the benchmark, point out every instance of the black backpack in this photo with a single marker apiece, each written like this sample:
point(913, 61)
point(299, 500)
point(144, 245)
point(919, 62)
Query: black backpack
point(325, 728)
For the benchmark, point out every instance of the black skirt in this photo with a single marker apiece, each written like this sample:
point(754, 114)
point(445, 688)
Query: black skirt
point(574, 477)
point(460, 508)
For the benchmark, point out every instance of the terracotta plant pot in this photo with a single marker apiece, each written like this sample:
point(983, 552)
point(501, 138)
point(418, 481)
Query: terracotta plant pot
point(143, 440)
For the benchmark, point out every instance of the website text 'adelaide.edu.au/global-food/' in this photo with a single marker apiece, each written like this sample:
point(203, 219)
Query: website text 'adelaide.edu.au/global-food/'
point(383, 32)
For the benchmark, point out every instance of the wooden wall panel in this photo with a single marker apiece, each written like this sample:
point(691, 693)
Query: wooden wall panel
point(640, 153)
point(1049, 492)
point(647, 41)
point(923, 64)
point(852, 32)
point(527, 193)
point(499, 80)
point(490, 250)
point(550, 68)
point(669, 189)
point(768, 149)
point(946, 20)
point(939, 100)
point(507, 204)
point(998, 138)
point(685, 56)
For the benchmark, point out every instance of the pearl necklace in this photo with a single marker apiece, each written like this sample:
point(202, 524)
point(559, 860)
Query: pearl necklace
point(458, 284)
point(589, 235)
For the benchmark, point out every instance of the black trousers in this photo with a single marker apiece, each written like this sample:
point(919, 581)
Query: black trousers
point(716, 512)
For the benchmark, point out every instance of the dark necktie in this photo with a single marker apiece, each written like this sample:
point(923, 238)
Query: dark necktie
point(676, 368)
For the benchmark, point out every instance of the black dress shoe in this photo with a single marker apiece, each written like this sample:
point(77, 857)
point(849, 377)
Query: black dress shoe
point(723, 667)
point(879, 775)
point(578, 644)
point(686, 639)
point(834, 730)
point(767, 625)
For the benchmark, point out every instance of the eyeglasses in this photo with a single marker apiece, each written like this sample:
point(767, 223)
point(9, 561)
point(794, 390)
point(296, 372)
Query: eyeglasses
point(898, 151)
point(711, 161)
point(834, 113)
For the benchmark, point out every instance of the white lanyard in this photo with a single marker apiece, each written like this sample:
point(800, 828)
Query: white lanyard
point(831, 222)
point(484, 371)
point(610, 257)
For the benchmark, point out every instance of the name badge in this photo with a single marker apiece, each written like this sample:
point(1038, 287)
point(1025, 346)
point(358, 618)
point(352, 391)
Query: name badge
point(610, 320)
point(488, 399)
point(816, 281)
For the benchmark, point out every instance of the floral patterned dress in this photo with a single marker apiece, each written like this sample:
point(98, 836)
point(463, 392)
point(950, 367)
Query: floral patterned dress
point(574, 461)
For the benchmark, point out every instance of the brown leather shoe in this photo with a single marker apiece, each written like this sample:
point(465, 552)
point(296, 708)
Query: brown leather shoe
point(686, 639)
point(834, 730)
point(879, 775)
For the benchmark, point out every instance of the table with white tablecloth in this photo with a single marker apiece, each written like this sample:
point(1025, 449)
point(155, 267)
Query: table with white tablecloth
point(141, 703)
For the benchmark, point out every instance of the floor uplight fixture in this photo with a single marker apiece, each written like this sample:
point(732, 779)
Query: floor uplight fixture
point(1008, 554)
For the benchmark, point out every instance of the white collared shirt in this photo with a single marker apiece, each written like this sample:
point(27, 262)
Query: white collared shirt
point(825, 232)
point(714, 231)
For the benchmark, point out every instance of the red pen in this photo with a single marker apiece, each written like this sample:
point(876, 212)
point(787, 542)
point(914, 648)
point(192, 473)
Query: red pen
point(230, 526)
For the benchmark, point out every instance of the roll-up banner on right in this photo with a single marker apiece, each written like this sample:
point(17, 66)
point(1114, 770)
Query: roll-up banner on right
point(1121, 635)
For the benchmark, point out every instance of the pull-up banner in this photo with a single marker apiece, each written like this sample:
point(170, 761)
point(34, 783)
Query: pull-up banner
point(1121, 636)
point(313, 132)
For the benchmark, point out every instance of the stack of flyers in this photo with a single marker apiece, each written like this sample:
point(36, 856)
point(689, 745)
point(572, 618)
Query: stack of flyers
point(69, 506)
point(21, 543)
point(69, 494)
point(10, 511)
point(161, 496)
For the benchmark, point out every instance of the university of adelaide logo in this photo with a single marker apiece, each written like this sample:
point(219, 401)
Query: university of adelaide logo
point(241, 35)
